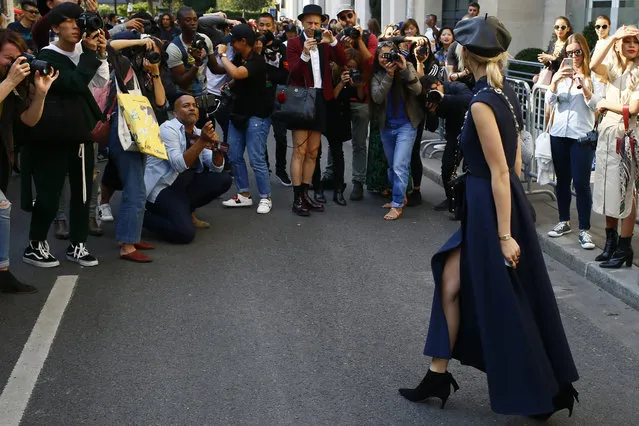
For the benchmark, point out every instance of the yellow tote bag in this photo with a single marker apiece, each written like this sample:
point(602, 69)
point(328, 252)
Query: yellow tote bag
point(140, 119)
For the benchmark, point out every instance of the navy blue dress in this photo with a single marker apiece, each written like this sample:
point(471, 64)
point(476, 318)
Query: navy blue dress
point(510, 326)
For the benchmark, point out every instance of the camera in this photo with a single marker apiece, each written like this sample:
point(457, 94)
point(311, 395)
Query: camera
point(392, 56)
point(356, 75)
point(226, 96)
point(317, 35)
point(266, 38)
point(89, 22)
point(434, 96)
point(199, 42)
point(421, 50)
point(34, 64)
point(153, 57)
point(352, 32)
point(590, 139)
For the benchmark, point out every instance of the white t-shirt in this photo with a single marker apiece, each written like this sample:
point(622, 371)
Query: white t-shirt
point(198, 86)
point(214, 82)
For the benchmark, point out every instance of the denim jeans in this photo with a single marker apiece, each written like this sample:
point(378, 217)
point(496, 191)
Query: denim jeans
point(253, 140)
point(5, 227)
point(130, 166)
point(573, 164)
point(398, 143)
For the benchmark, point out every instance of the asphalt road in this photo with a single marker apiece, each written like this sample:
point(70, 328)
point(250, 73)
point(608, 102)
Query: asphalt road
point(278, 319)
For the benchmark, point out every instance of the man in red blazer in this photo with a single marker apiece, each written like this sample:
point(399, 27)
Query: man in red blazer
point(309, 66)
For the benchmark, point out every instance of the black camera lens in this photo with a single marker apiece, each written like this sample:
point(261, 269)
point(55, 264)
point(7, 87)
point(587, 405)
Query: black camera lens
point(434, 96)
point(355, 75)
point(43, 67)
point(153, 57)
point(352, 32)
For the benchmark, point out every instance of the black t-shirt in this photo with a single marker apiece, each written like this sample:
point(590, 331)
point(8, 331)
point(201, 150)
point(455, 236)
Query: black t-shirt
point(24, 32)
point(252, 99)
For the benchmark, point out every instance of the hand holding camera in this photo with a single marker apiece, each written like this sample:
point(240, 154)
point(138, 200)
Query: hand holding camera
point(309, 44)
point(43, 82)
point(90, 40)
point(18, 71)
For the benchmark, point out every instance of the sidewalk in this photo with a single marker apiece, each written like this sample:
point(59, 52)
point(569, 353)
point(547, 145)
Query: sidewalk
point(622, 283)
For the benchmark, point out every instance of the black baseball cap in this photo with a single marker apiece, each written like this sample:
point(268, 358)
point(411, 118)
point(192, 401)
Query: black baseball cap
point(238, 32)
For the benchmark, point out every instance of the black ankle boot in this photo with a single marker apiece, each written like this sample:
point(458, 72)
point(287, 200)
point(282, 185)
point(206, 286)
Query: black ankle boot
point(318, 194)
point(565, 399)
point(612, 238)
point(299, 206)
point(311, 203)
point(338, 196)
point(623, 255)
point(433, 385)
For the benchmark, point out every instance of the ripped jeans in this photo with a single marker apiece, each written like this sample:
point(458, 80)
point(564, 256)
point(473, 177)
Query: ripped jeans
point(5, 225)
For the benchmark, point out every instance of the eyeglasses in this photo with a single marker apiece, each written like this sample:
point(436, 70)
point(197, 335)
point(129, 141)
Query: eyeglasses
point(604, 26)
point(343, 17)
point(571, 53)
point(563, 27)
point(34, 11)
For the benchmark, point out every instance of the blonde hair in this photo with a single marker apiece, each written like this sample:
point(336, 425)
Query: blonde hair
point(494, 66)
point(616, 70)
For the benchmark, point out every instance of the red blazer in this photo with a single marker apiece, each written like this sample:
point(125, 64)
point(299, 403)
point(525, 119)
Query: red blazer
point(300, 71)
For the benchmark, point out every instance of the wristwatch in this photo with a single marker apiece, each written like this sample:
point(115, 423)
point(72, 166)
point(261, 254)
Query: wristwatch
point(222, 55)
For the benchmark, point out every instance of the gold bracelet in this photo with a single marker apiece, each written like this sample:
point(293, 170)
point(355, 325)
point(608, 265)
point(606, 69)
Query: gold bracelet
point(505, 237)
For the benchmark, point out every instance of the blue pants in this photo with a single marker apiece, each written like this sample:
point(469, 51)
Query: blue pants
point(5, 227)
point(398, 143)
point(170, 215)
point(573, 164)
point(130, 167)
point(253, 140)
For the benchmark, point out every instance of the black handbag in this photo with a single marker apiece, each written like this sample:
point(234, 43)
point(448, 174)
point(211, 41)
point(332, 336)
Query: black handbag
point(592, 136)
point(294, 104)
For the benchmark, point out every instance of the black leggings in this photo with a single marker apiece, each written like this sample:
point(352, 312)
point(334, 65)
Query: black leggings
point(337, 152)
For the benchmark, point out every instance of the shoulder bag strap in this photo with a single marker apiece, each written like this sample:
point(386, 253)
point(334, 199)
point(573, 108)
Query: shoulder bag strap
point(626, 117)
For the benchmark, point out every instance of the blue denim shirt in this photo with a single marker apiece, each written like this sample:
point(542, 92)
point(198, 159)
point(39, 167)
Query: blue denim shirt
point(160, 174)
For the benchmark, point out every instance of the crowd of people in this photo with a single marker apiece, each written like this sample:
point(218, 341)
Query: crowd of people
point(379, 88)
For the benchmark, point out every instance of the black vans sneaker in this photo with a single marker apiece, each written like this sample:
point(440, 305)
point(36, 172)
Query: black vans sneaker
point(78, 253)
point(37, 254)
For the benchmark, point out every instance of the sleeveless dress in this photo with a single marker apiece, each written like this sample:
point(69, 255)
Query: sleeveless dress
point(510, 325)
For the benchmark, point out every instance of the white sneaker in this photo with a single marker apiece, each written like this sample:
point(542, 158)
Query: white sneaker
point(103, 213)
point(238, 200)
point(265, 206)
point(586, 240)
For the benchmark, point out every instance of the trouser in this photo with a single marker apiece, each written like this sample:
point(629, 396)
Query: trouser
point(5, 228)
point(281, 145)
point(51, 165)
point(359, 130)
point(416, 166)
point(253, 140)
point(336, 152)
point(130, 172)
point(449, 161)
point(573, 164)
point(398, 143)
point(170, 215)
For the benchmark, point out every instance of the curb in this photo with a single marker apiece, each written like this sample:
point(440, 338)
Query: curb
point(621, 283)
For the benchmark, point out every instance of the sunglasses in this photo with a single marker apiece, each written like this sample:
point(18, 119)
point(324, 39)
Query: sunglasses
point(345, 16)
point(34, 11)
point(572, 53)
point(605, 27)
point(563, 27)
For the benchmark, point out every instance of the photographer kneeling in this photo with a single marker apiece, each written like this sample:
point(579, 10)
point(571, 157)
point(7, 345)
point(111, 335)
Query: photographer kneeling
point(60, 143)
point(192, 176)
point(14, 69)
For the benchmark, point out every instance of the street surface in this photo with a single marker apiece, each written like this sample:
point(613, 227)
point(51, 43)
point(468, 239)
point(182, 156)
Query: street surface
point(278, 319)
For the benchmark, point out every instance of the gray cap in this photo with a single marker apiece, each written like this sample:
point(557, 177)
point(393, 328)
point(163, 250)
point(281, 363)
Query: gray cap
point(344, 8)
point(484, 36)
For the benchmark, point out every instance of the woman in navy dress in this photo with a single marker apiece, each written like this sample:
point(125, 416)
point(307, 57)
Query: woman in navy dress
point(494, 307)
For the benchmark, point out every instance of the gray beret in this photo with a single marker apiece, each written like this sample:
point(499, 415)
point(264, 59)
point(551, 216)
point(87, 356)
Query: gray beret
point(483, 36)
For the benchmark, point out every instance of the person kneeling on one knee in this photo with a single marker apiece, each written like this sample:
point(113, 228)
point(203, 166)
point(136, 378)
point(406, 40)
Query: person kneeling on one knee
point(191, 177)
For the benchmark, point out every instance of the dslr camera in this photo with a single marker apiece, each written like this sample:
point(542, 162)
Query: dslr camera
point(421, 50)
point(356, 75)
point(392, 56)
point(89, 22)
point(34, 64)
point(227, 96)
point(199, 42)
point(352, 32)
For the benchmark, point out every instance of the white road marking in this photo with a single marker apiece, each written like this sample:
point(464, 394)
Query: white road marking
point(17, 392)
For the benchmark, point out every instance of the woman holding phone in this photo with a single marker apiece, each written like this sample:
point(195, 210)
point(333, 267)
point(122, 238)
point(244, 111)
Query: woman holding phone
point(571, 94)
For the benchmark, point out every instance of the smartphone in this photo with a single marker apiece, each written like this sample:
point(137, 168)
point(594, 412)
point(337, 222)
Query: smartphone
point(568, 62)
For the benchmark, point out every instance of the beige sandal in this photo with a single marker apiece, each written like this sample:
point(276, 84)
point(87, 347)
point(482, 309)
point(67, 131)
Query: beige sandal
point(394, 213)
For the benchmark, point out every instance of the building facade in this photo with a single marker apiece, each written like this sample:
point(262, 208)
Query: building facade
point(529, 21)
